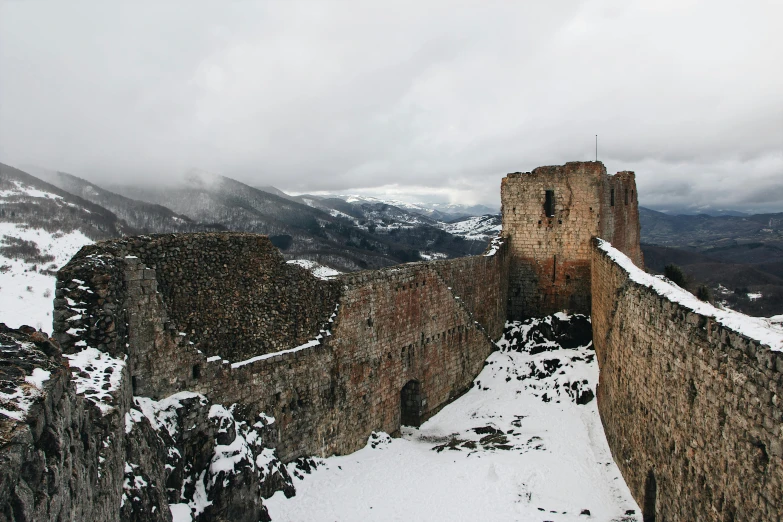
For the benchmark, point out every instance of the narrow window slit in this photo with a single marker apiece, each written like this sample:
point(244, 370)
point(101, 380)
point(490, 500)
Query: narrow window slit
point(549, 203)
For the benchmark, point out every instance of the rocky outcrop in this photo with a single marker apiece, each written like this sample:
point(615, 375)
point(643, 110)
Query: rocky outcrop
point(187, 454)
point(76, 445)
point(60, 454)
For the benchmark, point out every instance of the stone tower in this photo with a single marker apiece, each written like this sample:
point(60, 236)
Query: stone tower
point(549, 217)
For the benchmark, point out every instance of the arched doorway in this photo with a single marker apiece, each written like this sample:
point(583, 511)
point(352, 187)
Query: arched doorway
point(412, 404)
point(650, 494)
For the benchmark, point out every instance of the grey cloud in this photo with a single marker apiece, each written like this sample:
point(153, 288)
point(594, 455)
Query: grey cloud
point(428, 97)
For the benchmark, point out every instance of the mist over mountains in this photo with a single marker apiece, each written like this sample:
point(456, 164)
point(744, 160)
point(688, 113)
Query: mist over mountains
point(346, 234)
point(739, 256)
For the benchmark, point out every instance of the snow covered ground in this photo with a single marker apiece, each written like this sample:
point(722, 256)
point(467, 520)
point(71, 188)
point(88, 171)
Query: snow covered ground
point(525, 443)
point(318, 270)
point(25, 292)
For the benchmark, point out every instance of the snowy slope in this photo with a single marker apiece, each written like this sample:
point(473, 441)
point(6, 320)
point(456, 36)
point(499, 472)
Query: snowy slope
point(27, 287)
point(317, 269)
point(39, 232)
point(476, 227)
point(525, 443)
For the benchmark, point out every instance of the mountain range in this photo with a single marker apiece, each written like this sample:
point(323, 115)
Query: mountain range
point(346, 234)
point(740, 258)
point(736, 255)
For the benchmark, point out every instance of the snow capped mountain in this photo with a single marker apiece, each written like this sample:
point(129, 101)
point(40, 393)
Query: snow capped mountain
point(394, 202)
point(435, 211)
point(457, 210)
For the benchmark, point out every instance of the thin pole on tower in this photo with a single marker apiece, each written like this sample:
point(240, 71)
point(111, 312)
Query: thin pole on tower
point(596, 147)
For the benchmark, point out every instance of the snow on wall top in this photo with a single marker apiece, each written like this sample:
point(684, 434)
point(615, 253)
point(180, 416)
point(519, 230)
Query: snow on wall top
point(767, 331)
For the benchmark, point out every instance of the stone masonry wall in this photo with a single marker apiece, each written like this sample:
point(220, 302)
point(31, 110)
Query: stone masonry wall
point(392, 326)
point(481, 283)
point(620, 215)
point(235, 295)
point(387, 328)
point(692, 410)
point(550, 254)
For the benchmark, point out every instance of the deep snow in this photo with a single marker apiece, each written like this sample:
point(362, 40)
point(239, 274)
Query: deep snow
point(517, 446)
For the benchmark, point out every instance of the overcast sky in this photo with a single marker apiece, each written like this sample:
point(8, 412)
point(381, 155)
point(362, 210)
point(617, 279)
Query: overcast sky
point(414, 98)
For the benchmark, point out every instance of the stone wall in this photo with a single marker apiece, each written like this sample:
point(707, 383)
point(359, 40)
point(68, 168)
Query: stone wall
point(232, 294)
point(423, 322)
point(481, 284)
point(691, 409)
point(620, 215)
point(399, 325)
point(550, 247)
point(392, 326)
point(550, 267)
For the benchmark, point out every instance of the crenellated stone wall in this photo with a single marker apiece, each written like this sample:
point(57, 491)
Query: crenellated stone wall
point(692, 410)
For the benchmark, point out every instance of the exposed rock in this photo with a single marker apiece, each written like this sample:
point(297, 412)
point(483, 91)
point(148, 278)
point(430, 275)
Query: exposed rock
point(67, 453)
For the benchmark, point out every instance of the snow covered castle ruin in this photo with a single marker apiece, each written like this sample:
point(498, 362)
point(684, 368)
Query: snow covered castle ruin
point(161, 332)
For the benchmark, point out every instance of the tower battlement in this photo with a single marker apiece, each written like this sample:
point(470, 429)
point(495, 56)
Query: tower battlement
point(549, 217)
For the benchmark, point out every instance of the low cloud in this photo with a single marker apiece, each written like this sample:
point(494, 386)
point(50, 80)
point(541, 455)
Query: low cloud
point(428, 97)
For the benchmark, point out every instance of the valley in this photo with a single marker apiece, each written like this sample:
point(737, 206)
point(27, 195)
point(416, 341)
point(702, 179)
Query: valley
point(738, 257)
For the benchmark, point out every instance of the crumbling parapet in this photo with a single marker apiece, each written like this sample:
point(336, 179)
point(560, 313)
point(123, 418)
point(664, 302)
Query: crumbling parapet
point(328, 390)
point(549, 217)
